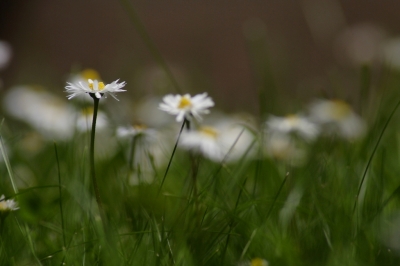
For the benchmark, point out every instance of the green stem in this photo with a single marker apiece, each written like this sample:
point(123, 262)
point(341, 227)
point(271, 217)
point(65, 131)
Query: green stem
point(91, 157)
point(60, 192)
point(172, 156)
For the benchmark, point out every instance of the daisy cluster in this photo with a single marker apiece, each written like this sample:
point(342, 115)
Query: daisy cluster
point(221, 139)
point(287, 137)
point(155, 124)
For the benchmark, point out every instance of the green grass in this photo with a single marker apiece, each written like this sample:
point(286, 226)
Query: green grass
point(236, 216)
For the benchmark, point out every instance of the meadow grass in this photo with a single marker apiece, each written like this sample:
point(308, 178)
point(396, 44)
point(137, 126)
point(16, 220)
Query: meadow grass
point(338, 208)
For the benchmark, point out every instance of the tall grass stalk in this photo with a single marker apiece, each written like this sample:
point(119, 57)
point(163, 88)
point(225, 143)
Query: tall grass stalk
point(373, 154)
point(8, 165)
point(172, 156)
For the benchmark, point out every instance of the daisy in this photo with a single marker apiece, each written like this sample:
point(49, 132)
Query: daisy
point(7, 205)
point(186, 107)
point(135, 130)
point(95, 87)
point(148, 151)
point(227, 140)
point(48, 114)
point(83, 76)
point(254, 262)
point(283, 147)
point(205, 141)
point(336, 116)
point(293, 124)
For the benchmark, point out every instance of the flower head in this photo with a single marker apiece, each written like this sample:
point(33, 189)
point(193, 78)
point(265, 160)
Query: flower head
point(336, 116)
point(293, 124)
point(226, 140)
point(48, 114)
point(135, 130)
point(94, 87)
point(186, 106)
point(7, 205)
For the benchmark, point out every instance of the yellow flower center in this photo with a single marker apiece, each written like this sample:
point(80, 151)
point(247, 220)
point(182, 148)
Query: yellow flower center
point(292, 119)
point(340, 109)
point(209, 131)
point(140, 127)
point(258, 262)
point(90, 74)
point(100, 86)
point(87, 111)
point(184, 102)
point(3, 206)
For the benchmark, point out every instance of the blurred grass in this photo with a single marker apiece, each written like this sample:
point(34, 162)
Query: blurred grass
point(238, 216)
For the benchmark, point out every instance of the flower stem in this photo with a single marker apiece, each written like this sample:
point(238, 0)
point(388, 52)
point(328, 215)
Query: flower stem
point(92, 169)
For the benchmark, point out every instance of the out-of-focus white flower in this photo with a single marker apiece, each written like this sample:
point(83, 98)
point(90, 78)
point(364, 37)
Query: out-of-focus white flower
point(84, 120)
point(5, 54)
point(258, 262)
point(84, 75)
point(135, 130)
point(45, 112)
point(7, 205)
point(360, 44)
point(284, 147)
point(147, 151)
point(186, 106)
point(226, 140)
point(297, 124)
point(96, 87)
point(255, 262)
point(205, 141)
point(336, 116)
point(391, 52)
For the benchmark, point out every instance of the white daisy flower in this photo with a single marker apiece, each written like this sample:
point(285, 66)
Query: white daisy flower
point(7, 205)
point(336, 116)
point(150, 151)
point(135, 130)
point(51, 116)
point(293, 124)
point(284, 148)
point(226, 140)
point(84, 76)
point(205, 141)
point(186, 106)
point(254, 262)
point(96, 87)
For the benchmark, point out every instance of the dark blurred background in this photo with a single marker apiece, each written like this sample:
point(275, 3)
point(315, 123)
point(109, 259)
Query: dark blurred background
point(230, 48)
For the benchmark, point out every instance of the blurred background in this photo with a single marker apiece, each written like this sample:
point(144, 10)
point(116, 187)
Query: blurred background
point(291, 50)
